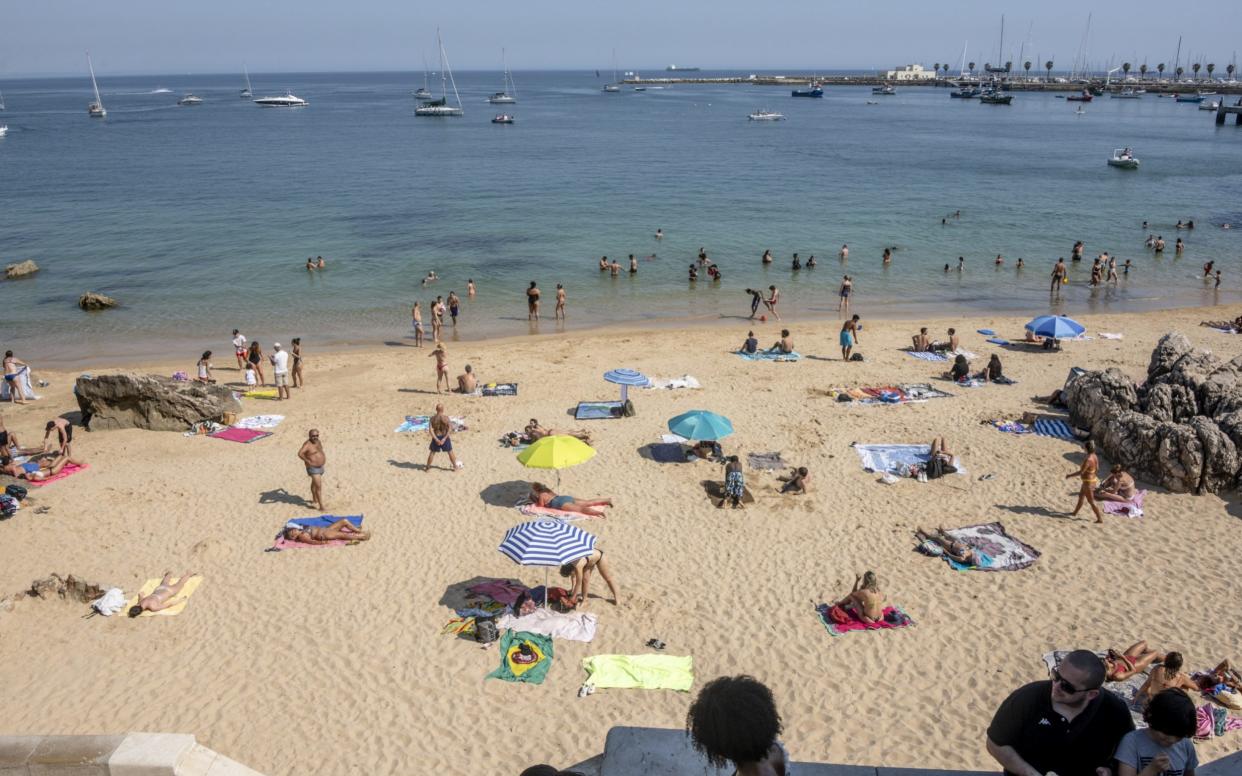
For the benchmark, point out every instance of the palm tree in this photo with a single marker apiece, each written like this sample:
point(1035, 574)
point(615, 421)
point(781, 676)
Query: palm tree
point(1125, 69)
point(1178, 72)
point(1143, 71)
point(1160, 67)
point(1027, 67)
point(1195, 67)
point(1229, 69)
point(946, 70)
point(936, 68)
point(1008, 66)
point(1048, 67)
point(1211, 66)
point(971, 67)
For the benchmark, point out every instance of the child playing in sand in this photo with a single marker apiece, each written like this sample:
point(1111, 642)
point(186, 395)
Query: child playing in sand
point(441, 357)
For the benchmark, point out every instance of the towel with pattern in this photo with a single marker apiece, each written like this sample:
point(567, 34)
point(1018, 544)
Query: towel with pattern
point(243, 435)
point(995, 549)
point(686, 381)
point(598, 410)
point(897, 459)
point(839, 622)
point(1054, 428)
point(524, 657)
point(1131, 508)
point(1011, 427)
point(534, 510)
point(765, 355)
point(259, 422)
point(572, 626)
point(416, 423)
point(925, 355)
point(69, 468)
point(646, 672)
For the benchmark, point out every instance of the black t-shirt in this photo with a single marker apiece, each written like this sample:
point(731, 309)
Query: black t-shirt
point(1027, 722)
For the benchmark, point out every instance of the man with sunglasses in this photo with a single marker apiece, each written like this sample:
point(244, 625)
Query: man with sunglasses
point(1070, 725)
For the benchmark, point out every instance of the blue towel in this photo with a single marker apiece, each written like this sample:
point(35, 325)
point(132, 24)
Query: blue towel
point(924, 356)
point(985, 561)
point(597, 410)
point(1055, 428)
point(986, 332)
point(668, 453)
point(998, 341)
point(764, 355)
point(325, 521)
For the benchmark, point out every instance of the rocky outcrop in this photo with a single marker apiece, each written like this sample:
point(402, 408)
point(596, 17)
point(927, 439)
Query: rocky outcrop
point(92, 301)
point(20, 269)
point(1169, 349)
point(149, 402)
point(69, 587)
point(1094, 396)
point(1170, 403)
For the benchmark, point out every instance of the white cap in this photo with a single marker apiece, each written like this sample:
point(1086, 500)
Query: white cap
point(276, 345)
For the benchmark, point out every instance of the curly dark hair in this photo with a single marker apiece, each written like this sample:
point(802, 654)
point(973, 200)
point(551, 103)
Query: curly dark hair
point(1172, 712)
point(733, 720)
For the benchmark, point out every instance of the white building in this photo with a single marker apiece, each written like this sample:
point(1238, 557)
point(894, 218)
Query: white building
point(910, 73)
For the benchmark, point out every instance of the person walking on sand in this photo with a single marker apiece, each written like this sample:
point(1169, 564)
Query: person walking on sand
point(312, 456)
point(239, 349)
point(560, 302)
point(255, 358)
point(295, 371)
point(280, 371)
point(1088, 473)
point(774, 296)
point(441, 357)
point(847, 288)
point(417, 314)
point(441, 442)
point(532, 302)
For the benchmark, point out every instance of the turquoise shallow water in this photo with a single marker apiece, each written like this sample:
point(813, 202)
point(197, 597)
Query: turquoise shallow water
point(200, 219)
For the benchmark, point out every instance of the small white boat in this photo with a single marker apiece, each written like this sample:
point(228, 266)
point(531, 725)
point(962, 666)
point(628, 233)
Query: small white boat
point(95, 109)
point(1123, 158)
point(640, 88)
point(1209, 105)
point(1126, 94)
point(190, 99)
point(4, 130)
point(508, 94)
point(441, 107)
point(767, 115)
point(503, 118)
point(287, 101)
point(886, 90)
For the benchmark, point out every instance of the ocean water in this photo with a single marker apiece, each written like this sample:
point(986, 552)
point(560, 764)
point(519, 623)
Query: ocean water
point(200, 219)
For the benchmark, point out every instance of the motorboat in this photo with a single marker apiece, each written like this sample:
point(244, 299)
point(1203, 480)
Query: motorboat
point(965, 93)
point(814, 90)
point(640, 88)
point(95, 109)
point(991, 97)
point(1123, 158)
point(503, 118)
point(190, 99)
point(767, 115)
point(287, 101)
point(1209, 105)
point(4, 130)
point(1084, 96)
point(1188, 98)
point(611, 88)
point(1126, 94)
point(885, 90)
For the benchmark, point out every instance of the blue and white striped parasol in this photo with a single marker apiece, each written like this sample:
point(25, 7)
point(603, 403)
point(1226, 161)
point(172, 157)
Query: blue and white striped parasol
point(546, 543)
point(625, 378)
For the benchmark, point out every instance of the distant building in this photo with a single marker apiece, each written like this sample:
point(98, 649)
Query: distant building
point(910, 73)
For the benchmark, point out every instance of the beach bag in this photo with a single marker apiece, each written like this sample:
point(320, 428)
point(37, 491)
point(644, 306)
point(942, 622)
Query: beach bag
point(627, 409)
point(16, 491)
point(485, 631)
point(856, 357)
point(8, 507)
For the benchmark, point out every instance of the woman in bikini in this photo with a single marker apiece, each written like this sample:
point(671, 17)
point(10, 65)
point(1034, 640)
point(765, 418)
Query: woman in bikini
point(341, 530)
point(1119, 666)
point(163, 596)
point(255, 357)
point(542, 495)
point(580, 572)
point(297, 362)
point(865, 601)
point(953, 548)
point(1168, 675)
point(1089, 474)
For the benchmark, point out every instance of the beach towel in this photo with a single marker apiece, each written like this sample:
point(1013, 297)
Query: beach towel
point(924, 355)
point(505, 591)
point(1011, 427)
point(645, 672)
point(686, 381)
point(668, 452)
point(534, 510)
point(69, 468)
point(763, 355)
point(1110, 335)
point(572, 626)
point(998, 340)
point(1214, 721)
point(962, 352)
point(148, 588)
point(1131, 508)
point(281, 543)
point(524, 657)
point(1055, 428)
point(416, 423)
point(986, 332)
point(598, 410)
point(499, 389)
point(24, 388)
point(259, 422)
point(922, 392)
point(769, 461)
point(261, 393)
point(996, 549)
point(897, 459)
point(839, 622)
point(243, 435)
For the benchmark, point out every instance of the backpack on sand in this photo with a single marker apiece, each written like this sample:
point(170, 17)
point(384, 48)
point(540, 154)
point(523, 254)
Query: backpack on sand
point(627, 409)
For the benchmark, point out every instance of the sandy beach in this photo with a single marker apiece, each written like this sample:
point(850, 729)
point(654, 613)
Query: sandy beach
point(331, 661)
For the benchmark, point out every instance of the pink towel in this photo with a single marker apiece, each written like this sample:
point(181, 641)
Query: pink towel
point(538, 511)
point(1131, 508)
point(282, 543)
point(854, 624)
point(243, 435)
point(70, 468)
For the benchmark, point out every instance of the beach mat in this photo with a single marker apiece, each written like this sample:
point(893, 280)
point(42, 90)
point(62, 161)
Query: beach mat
point(243, 435)
point(260, 422)
point(499, 389)
point(513, 667)
point(1011, 427)
point(281, 543)
point(836, 628)
point(764, 355)
point(534, 510)
point(261, 393)
point(716, 490)
point(416, 423)
point(998, 340)
point(768, 461)
point(1131, 508)
point(70, 468)
point(926, 356)
point(645, 672)
point(1055, 428)
point(597, 410)
point(897, 459)
point(996, 549)
point(148, 588)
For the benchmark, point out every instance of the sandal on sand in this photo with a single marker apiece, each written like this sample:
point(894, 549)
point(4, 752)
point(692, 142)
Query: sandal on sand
point(656, 644)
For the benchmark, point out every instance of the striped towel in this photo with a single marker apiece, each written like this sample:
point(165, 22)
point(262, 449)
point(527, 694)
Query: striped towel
point(1055, 428)
point(925, 356)
point(764, 355)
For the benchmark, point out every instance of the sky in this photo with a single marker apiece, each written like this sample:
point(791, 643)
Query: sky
point(48, 37)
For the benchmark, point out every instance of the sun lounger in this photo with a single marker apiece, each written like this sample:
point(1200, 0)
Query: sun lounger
point(764, 355)
point(243, 435)
point(281, 543)
point(69, 468)
point(148, 588)
point(598, 410)
point(996, 549)
point(1131, 508)
point(839, 622)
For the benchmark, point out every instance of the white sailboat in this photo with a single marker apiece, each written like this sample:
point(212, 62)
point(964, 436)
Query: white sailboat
point(614, 87)
point(96, 108)
point(246, 93)
point(423, 94)
point(441, 107)
point(508, 93)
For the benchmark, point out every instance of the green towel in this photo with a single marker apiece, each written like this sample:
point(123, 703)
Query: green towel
point(649, 672)
point(516, 668)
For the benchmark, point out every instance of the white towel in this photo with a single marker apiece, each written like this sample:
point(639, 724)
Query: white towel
point(685, 381)
point(574, 626)
point(23, 384)
point(110, 602)
point(259, 422)
point(1108, 335)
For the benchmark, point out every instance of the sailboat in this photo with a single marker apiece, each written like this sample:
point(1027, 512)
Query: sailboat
point(246, 93)
point(441, 107)
point(96, 108)
point(614, 87)
point(1000, 53)
point(422, 94)
point(1, 100)
point(508, 94)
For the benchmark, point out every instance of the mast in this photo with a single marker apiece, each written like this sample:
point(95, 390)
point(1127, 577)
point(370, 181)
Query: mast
point(246, 72)
point(1000, 50)
point(962, 69)
point(446, 66)
point(98, 99)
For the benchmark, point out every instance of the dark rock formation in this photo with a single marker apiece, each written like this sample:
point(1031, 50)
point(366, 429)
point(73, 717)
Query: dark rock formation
point(93, 301)
point(1094, 396)
point(1169, 349)
point(145, 401)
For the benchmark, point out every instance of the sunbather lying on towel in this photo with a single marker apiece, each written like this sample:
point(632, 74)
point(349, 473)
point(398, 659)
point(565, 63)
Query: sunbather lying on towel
point(957, 550)
point(1117, 486)
point(1221, 674)
point(341, 530)
point(41, 470)
point(865, 600)
point(537, 432)
point(544, 496)
point(1234, 325)
point(163, 596)
point(1120, 666)
point(580, 571)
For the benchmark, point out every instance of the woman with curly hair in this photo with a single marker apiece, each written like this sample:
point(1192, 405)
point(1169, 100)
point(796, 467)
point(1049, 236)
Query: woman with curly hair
point(734, 720)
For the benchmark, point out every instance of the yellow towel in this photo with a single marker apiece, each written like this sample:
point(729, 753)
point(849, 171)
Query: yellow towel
point(148, 588)
point(261, 393)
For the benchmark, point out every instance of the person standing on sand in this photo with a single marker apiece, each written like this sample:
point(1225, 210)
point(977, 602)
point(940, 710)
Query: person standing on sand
point(280, 372)
point(312, 456)
point(417, 314)
point(774, 296)
point(239, 349)
point(1088, 473)
point(849, 337)
point(255, 357)
point(441, 441)
point(532, 302)
point(295, 371)
point(441, 357)
point(560, 302)
point(1058, 277)
point(847, 288)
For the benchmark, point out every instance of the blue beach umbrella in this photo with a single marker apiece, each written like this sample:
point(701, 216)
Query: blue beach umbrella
point(701, 425)
point(625, 378)
point(1055, 326)
point(546, 543)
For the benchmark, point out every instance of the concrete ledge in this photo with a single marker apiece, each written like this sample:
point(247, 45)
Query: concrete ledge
point(135, 754)
point(149, 754)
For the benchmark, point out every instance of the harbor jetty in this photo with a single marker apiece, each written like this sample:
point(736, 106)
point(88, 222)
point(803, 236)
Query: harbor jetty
point(1019, 84)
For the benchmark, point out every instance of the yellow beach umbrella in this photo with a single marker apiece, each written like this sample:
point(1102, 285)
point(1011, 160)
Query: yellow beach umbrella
point(556, 452)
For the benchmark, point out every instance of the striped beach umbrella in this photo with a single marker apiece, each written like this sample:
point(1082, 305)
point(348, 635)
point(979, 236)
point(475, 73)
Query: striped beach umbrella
point(546, 543)
point(1055, 326)
point(625, 378)
point(701, 425)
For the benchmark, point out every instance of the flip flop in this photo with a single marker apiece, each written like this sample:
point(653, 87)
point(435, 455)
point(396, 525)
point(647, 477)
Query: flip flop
point(656, 644)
